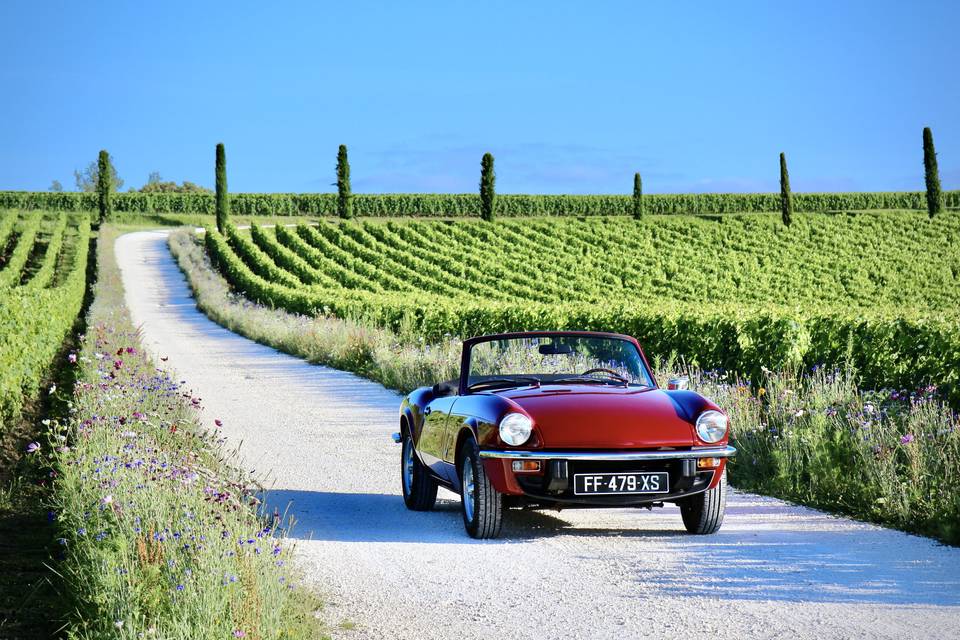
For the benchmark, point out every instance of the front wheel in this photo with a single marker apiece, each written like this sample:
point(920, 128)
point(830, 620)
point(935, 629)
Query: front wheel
point(703, 513)
point(482, 503)
point(419, 489)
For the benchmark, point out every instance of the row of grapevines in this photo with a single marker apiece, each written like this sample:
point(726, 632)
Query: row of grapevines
point(468, 204)
point(864, 261)
point(35, 318)
point(12, 269)
point(890, 344)
point(47, 270)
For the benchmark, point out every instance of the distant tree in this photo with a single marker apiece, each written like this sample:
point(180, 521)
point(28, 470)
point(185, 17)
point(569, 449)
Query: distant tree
point(156, 184)
point(55, 186)
point(344, 196)
point(223, 198)
point(104, 185)
point(786, 198)
point(488, 193)
point(931, 174)
point(637, 196)
point(86, 180)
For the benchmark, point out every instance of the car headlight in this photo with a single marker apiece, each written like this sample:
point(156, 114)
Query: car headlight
point(712, 426)
point(515, 428)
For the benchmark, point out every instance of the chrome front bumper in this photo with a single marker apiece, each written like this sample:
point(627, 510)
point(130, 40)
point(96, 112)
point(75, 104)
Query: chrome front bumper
point(685, 454)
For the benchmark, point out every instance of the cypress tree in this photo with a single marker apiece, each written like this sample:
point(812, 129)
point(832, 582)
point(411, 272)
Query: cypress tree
point(637, 196)
point(104, 185)
point(344, 197)
point(488, 193)
point(931, 174)
point(786, 199)
point(223, 198)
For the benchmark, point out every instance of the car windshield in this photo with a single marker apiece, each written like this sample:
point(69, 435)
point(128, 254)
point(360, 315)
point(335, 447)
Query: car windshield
point(560, 359)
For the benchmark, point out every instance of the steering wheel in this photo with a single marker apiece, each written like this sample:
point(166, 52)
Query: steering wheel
point(612, 373)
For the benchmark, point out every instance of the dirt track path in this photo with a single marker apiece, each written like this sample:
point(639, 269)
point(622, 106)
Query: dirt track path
point(773, 571)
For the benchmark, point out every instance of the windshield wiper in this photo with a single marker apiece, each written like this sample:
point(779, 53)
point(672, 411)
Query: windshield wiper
point(517, 381)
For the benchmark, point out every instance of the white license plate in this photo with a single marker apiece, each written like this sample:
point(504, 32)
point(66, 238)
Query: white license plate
point(620, 483)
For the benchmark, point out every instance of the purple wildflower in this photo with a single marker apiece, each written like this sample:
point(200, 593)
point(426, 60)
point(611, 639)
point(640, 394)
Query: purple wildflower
point(33, 447)
point(906, 439)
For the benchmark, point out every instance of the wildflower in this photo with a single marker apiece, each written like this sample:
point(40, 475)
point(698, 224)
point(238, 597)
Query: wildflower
point(53, 389)
point(906, 439)
point(761, 391)
point(117, 364)
point(179, 587)
point(107, 500)
point(33, 447)
point(72, 358)
point(218, 422)
point(238, 633)
point(118, 624)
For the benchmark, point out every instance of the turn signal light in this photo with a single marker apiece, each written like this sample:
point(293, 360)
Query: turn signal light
point(708, 463)
point(527, 466)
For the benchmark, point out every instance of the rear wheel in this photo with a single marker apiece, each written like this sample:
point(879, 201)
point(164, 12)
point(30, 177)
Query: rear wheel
point(482, 504)
point(703, 513)
point(419, 489)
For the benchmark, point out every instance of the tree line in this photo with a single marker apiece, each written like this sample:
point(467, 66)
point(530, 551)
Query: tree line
point(105, 182)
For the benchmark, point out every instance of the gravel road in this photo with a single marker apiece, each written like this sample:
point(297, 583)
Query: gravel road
point(323, 438)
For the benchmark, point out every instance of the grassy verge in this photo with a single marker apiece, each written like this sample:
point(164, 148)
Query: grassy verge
point(159, 534)
point(890, 456)
point(887, 456)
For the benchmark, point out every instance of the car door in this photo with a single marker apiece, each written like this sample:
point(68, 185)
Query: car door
point(433, 437)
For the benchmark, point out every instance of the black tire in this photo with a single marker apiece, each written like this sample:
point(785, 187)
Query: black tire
point(421, 494)
point(703, 513)
point(486, 520)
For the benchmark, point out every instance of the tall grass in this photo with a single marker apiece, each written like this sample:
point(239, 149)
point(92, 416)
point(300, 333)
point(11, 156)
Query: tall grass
point(159, 532)
point(888, 456)
point(816, 437)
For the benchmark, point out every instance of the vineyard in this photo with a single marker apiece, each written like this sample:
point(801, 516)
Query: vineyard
point(43, 271)
point(876, 290)
point(468, 204)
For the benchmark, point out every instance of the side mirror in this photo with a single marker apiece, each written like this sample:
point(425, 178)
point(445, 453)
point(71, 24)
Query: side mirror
point(443, 389)
point(678, 383)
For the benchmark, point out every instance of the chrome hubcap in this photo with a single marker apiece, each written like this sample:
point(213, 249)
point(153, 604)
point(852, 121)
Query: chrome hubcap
point(407, 466)
point(469, 489)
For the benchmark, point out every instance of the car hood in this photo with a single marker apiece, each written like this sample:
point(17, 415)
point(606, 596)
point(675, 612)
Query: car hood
point(608, 417)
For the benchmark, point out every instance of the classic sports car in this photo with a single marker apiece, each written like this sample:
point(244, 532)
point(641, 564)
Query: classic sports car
point(559, 420)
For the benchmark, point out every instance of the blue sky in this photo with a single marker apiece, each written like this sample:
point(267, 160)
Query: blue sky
point(570, 97)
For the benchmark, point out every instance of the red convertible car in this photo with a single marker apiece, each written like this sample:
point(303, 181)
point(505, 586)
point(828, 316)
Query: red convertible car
point(559, 420)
